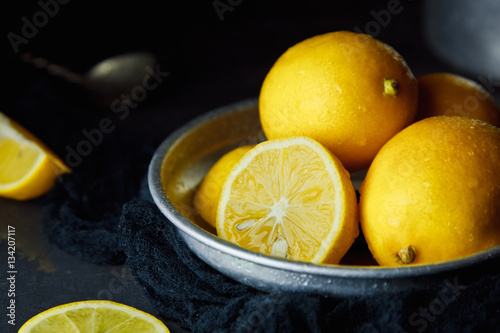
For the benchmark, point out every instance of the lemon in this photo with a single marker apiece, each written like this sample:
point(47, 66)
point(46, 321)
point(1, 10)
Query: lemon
point(290, 198)
point(93, 316)
point(433, 192)
point(348, 91)
point(207, 195)
point(454, 95)
point(28, 168)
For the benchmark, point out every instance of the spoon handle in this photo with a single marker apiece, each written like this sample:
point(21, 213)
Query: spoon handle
point(52, 69)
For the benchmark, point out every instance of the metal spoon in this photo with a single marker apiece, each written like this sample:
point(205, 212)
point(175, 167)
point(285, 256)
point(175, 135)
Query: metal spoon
point(108, 80)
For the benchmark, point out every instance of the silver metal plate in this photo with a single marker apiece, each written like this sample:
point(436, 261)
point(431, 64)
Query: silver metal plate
point(183, 159)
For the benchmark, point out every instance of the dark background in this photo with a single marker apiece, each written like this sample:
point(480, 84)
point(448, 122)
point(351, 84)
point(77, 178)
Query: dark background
point(214, 58)
point(212, 62)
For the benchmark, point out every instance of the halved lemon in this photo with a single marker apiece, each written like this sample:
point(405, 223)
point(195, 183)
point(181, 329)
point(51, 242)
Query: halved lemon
point(93, 317)
point(28, 168)
point(290, 198)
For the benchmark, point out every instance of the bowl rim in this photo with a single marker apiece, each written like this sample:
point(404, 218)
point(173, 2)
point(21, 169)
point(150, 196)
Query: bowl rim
point(345, 271)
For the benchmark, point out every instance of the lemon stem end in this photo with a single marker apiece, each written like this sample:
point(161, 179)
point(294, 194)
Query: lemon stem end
point(391, 87)
point(406, 255)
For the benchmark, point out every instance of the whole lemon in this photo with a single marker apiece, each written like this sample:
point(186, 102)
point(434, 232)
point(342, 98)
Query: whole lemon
point(454, 95)
point(208, 193)
point(432, 193)
point(348, 91)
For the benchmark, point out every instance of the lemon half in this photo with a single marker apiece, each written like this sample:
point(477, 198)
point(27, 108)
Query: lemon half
point(290, 198)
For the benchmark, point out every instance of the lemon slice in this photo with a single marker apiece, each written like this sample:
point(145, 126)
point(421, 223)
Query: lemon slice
point(28, 168)
point(93, 317)
point(290, 198)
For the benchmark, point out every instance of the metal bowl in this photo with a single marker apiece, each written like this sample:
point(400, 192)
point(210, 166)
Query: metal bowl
point(183, 159)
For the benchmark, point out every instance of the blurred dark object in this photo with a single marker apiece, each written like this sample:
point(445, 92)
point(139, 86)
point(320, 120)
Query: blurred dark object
point(465, 34)
point(113, 82)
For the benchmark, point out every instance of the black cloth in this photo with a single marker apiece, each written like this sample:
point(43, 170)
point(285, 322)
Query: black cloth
point(83, 210)
point(201, 299)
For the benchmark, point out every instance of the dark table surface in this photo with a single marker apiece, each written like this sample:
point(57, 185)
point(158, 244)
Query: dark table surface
point(217, 52)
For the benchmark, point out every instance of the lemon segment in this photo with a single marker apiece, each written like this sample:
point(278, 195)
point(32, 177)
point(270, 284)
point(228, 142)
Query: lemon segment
point(289, 198)
point(11, 154)
point(28, 168)
point(94, 317)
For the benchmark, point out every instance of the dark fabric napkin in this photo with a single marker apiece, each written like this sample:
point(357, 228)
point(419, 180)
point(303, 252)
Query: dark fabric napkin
point(203, 300)
point(102, 212)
